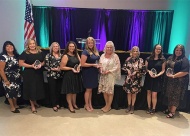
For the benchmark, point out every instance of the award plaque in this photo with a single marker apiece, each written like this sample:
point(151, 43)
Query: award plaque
point(36, 63)
point(76, 67)
point(169, 71)
point(154, 72)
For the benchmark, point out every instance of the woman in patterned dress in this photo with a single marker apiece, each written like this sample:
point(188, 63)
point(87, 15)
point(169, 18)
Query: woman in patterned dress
point(110, 71)
point(89, 57)
point(177, 83)
point(10, 73)
point(153, 82)
point(54, 74)
point(134, 68)
point(32, 59)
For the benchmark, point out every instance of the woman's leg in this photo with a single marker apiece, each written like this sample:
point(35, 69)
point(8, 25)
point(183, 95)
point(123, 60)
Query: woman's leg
point(74, 101)
point(129, 97)
point(90, 101)
point(33, 108)
point(133, 102)
point(109, 102)
point(12, 107)
point(87, 98)
point(69, 101)
point(106, 101)
point(149, 99)
point(154, 102)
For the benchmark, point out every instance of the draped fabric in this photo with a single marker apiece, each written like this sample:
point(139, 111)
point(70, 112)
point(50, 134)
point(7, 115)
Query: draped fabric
point(126, 28)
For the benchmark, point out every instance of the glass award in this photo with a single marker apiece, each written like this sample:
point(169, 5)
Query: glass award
point(169, 71)
point(154, 72)
point(76, 67)
point(36, 63)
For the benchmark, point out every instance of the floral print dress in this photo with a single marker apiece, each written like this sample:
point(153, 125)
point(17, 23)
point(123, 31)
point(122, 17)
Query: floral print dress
point(12, 72)
point(134, 68)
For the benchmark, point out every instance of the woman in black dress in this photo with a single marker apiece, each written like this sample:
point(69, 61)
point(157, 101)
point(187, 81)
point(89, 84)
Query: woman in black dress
point(177, 83)
point(90, 71)
point(54, 74)
point(10, 73)
point(32, 59)
point(71, 84)
point(153, 82)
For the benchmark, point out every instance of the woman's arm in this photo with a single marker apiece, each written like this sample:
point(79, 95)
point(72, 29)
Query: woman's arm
point(84, 64)
point(23, 64)
point(2, 73)
point(63, 63)
point(117, 64)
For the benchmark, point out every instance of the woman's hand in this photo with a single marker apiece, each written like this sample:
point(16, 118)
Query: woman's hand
point(75, 71)
point(36, 67)
point(171, 76)
point(7, 83)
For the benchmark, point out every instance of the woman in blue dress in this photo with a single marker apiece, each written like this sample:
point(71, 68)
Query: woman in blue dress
point(10, 73)
point(90, 71)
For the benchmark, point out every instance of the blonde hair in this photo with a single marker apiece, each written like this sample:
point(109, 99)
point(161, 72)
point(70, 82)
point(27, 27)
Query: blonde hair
point(109, 43)
point(51, 48)
point(135, 47)
point(94, 49)
point(27, 49)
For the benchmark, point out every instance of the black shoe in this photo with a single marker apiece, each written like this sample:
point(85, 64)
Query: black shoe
point(15, 111)
point(20, 107)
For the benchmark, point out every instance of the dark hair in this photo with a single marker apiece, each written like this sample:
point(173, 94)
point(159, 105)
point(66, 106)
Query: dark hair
point(182, 49)
point(160, 56)
point(4, 48)
point(67, 48)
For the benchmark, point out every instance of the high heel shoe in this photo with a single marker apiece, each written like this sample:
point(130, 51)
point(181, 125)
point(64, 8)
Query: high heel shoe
point(87, 109)
point(76, 108)
point(15, 111)
point(71, 111)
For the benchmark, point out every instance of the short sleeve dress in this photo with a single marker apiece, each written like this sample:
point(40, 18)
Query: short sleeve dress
point(72, 82)
point(12, 72)
point(33, 82)
point(154, 84)
point(90, 74)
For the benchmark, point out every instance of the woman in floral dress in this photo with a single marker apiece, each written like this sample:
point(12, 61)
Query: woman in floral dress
point(134, 68)
point(10, 73)
point(110, 71)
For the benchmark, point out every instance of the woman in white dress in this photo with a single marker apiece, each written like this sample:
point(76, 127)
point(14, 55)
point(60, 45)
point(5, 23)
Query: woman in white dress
point(110, 71)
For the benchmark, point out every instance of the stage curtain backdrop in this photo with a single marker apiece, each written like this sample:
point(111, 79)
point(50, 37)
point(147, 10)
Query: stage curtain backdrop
point(126, 28)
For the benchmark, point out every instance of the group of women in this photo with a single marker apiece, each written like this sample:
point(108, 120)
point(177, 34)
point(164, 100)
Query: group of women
point(68, 73)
